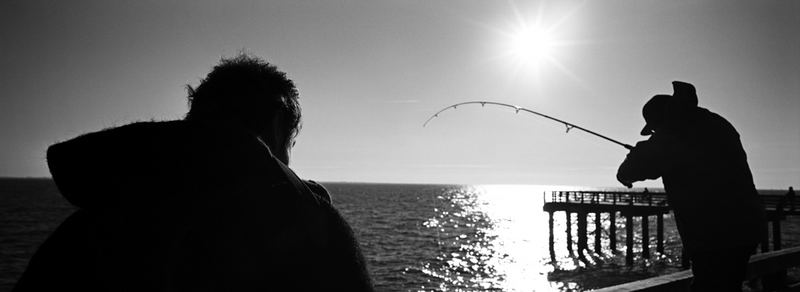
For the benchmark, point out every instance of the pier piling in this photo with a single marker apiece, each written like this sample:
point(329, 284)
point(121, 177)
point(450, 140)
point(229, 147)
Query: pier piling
point(660, 233)
point(646, 236)
point(582, 240)
point(552, 238)
point(598, 232)
point(569, 230)
point(628, 239)
point(612, 231)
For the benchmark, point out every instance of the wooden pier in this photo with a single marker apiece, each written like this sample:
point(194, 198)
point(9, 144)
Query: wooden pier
point(624, 204)
point(636, 204)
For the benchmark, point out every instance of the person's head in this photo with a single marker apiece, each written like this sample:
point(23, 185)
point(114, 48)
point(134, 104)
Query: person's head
point(672, 112)
point(655, 114)
point(248, 91)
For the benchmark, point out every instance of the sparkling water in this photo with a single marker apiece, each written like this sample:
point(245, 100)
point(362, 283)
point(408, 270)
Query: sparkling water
point(419, 237)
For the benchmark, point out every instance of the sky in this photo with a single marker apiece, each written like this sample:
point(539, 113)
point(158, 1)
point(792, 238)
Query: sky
point(371, 72)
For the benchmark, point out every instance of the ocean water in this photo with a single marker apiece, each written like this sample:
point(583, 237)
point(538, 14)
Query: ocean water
point(417, 237)
point(483, 238)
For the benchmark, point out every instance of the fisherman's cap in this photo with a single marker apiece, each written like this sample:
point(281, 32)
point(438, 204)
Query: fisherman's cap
point(684, 96)
point(654, 112)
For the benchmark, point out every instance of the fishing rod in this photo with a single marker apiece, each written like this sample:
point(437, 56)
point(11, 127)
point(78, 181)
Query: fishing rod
point(569, 125)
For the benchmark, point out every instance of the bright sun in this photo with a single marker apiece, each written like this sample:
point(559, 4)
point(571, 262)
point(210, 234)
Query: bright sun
point(533, 43)
point(530, 45)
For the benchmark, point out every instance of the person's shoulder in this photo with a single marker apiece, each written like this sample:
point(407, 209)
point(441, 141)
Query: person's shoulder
point(713, 124)
point(707, 116)
point(318, 190)
point(117, 142)
point(133, 129)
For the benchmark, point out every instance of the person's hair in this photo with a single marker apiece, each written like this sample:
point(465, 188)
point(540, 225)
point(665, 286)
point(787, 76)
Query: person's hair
point(248, 89)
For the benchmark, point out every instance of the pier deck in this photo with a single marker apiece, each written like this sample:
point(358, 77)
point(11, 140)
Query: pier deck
point(634, 203)
point(655, 202)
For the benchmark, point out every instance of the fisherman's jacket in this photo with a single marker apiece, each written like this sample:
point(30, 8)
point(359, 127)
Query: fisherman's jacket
point(707, 180)
point(190, 206)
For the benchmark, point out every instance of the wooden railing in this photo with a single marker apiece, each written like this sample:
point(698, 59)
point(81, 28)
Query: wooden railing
point(608, 198)
point(761, 266)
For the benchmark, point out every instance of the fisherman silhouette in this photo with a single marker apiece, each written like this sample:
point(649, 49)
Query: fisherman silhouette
point(647, 196)
point(207, 203)
point(708, 183)
point(790, 196)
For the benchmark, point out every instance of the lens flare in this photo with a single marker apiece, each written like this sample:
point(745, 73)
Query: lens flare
point(530, 45)
point(535, 42)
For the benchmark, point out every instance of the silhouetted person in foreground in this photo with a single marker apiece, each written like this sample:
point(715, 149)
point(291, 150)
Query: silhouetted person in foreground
point(202, 204)
point(790, 197)
point(708, 182)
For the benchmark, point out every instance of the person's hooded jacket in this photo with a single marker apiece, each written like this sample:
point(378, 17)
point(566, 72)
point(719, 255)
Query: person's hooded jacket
point(190, 206)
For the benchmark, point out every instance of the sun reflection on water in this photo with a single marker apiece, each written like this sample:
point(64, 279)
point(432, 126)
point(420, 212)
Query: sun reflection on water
point(495, 238)
point(520, 233)
point(491, 237)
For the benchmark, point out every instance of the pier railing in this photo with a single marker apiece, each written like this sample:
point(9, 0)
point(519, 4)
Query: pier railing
point(608, 198)
point(764, 265)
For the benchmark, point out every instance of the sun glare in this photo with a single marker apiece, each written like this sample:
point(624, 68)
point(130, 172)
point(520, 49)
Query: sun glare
point(530, 45)
point(533, 42)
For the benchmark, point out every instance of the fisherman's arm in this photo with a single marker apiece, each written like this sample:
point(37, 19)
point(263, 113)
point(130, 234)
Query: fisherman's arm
point(642, 163)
